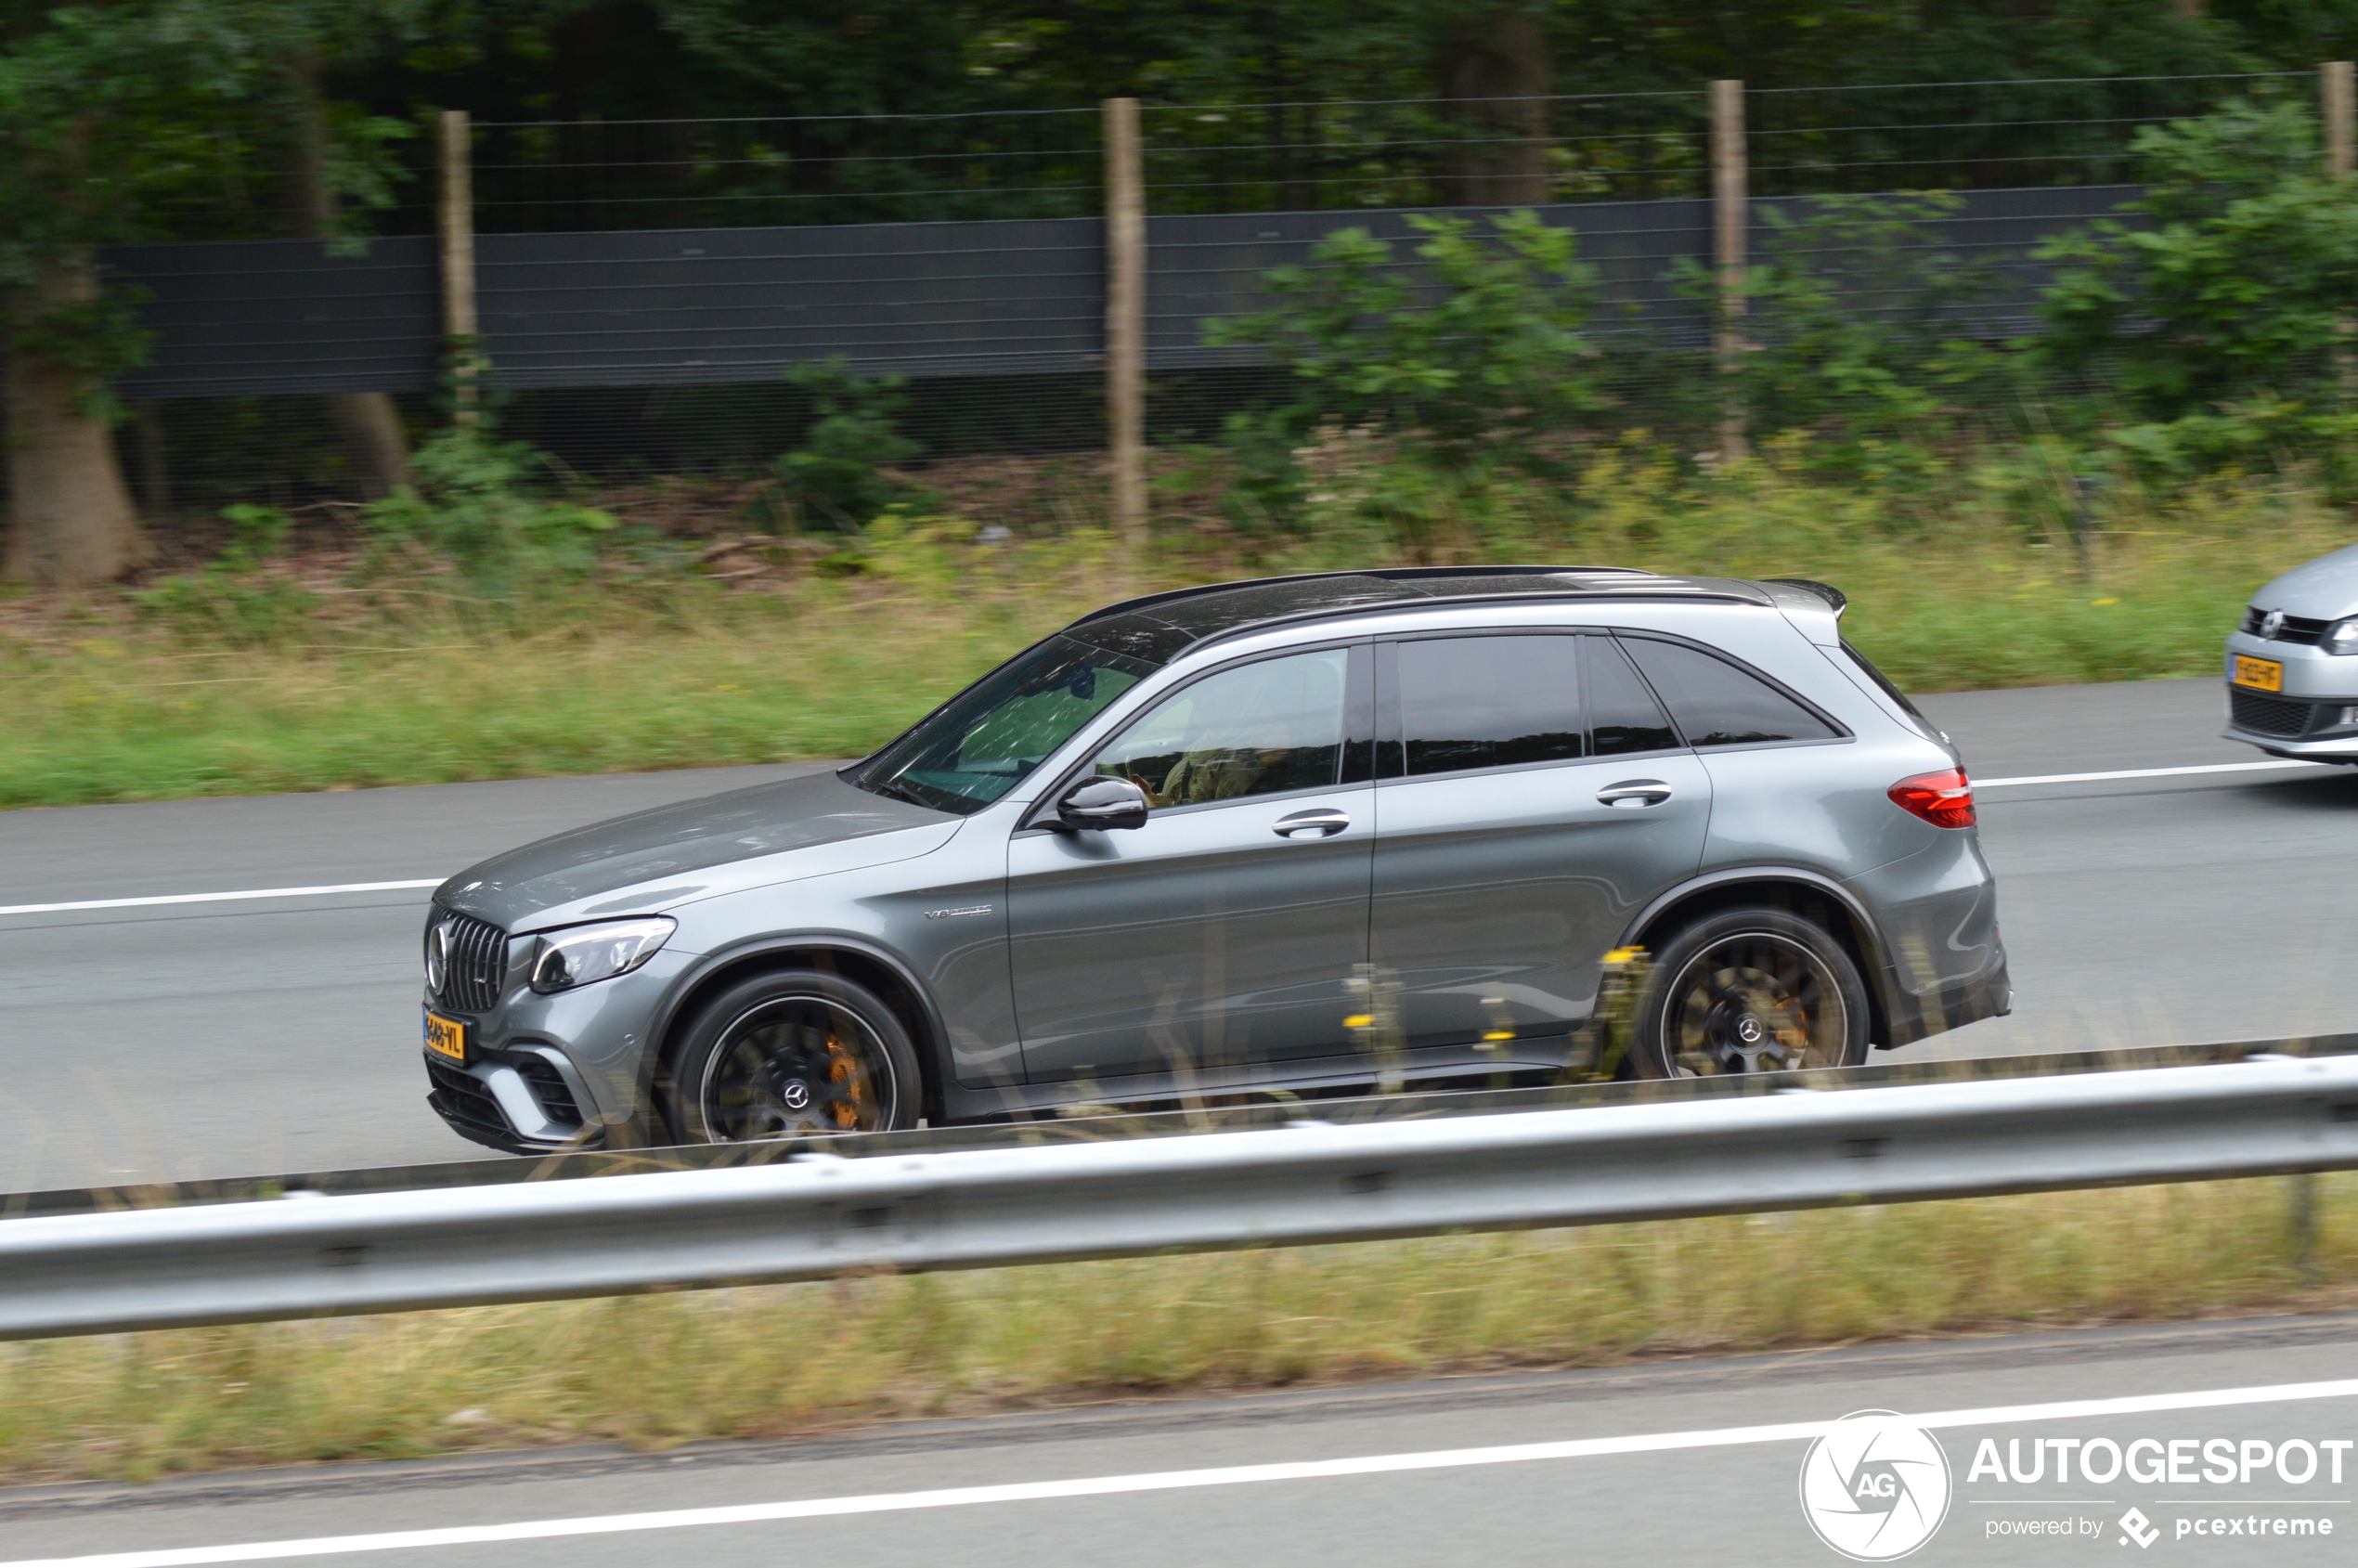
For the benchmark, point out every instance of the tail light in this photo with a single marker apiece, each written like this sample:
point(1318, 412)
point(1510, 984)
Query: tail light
point(1944, 799)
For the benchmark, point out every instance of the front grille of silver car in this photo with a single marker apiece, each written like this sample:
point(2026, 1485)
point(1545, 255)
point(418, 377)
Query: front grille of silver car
point(2297, 629)
point(477, 969)
point(2265, 715)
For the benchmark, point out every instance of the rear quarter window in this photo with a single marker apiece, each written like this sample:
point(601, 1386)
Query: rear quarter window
point(1718, 705)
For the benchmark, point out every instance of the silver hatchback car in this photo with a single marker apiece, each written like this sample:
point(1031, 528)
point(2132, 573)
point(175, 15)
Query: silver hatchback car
point(2292, 679)
point(1300, 835)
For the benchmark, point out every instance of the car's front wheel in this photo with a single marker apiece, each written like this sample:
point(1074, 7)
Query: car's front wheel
point(1751, 990)
point(791, 1053)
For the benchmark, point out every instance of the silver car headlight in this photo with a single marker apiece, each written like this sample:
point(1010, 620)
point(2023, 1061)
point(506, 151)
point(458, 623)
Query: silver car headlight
point(2341, 637)
point(585, 954)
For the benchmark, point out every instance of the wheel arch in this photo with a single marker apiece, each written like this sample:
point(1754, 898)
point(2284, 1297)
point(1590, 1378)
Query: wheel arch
point(1804, 892)
point(859, 962)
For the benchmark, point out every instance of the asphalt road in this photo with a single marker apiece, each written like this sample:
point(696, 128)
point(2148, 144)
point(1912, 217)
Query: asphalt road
point(1673, 1463)
point(179, 1041)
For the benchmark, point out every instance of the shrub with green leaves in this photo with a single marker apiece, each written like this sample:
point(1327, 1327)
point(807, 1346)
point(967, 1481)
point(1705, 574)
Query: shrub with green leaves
point(2218, 326)
point(1858, 328)
point(1479, 351)
point(236, 599)
point(836, 475)
point(481, 504)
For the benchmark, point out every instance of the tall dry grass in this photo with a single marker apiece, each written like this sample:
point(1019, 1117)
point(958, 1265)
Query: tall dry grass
point(763, 1361)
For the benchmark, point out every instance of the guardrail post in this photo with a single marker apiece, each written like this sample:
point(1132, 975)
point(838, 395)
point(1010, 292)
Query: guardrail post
point(1729, 217)
point(462, 337)
point(1126, 320)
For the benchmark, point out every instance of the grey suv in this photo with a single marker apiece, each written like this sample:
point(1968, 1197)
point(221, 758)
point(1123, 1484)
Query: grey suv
point(1302, 833)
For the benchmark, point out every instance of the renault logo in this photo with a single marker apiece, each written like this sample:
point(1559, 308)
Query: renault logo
point(2271, 623)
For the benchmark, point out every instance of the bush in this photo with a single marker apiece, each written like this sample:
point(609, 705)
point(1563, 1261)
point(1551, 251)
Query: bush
point(2218, 326)
point(1495, 365)
point(1856, 328)
point(834, 475)
point(477, 504)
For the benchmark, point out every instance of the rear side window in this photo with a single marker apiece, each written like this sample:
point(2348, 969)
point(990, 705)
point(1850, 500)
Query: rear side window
point(1717, 704)
point(1623, 716)
point(1488, 702)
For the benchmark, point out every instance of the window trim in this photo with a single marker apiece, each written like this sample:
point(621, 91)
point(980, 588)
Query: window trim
point(1358, 702)
point(1843, 735)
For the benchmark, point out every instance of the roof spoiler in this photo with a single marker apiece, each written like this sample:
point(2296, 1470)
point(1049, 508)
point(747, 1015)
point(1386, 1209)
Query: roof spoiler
point(1835, 599)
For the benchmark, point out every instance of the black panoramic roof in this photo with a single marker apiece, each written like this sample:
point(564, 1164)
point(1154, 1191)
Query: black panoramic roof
point(1162, 625)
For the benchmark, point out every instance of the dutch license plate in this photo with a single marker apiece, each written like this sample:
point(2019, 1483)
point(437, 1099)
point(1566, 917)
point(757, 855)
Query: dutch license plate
point(2263, 675)
point(445, 1037)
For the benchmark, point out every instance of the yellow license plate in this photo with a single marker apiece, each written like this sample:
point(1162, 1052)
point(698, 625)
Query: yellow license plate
point(2264, 675)
point(445, 1037)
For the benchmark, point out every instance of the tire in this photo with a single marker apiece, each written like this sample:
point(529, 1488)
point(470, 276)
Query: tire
point(1751, 990)
point(795, 1053)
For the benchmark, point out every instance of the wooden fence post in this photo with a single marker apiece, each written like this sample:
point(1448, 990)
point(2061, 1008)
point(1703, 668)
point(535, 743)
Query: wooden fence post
point(1730, 216)
point(462, 337)
point(1126, 320)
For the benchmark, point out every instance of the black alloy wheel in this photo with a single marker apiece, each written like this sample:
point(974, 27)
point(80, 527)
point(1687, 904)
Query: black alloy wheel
point(794, 1054)
point(1751, 990)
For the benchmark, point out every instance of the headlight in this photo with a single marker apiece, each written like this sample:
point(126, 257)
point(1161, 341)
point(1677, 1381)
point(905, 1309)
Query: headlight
point(2341, 637)
point(586, 953)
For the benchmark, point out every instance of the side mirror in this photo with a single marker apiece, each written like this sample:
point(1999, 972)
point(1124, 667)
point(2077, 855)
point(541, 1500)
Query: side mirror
point(1103, 803)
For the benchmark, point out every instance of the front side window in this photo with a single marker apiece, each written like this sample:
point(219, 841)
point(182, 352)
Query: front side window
point(1718, 705)
point(1488, 702)
point(1259, 729)
point(976, 748)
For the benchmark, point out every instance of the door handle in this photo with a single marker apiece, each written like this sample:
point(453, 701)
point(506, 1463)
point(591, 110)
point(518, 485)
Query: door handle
point(1324, 821)
point(1633, 793)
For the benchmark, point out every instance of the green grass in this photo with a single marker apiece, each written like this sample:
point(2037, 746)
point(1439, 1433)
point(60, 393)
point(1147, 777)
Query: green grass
point(774, 1361)
point(1966, 583)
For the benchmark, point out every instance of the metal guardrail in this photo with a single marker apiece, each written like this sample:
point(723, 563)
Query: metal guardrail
point(1242, 1113)
point(819, 1216)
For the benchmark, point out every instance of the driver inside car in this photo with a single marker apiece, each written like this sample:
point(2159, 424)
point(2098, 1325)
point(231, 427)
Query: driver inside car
point(1242, 743)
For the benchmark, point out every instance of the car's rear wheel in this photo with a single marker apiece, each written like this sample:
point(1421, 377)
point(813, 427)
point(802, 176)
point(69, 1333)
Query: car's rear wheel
point(792, 1053)
point(1752, 990)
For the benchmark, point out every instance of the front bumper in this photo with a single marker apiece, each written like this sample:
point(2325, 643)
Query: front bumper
point(562, 1071)
point(526, 1100)
point(2314, 718)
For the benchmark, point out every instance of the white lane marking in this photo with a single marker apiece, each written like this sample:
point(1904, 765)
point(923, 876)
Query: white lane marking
point(2136, 773)
point(220, 897)
point(1166, 1481)
point(436, 881)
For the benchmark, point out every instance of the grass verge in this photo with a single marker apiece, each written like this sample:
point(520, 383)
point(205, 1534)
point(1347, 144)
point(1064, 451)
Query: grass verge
point(777, 1361)
point(105, 699)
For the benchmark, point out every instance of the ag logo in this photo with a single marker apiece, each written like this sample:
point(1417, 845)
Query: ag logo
point(1873, 1487)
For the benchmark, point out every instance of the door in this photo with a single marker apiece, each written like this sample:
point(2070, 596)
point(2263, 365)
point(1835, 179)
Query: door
point(1535, 798)
point(1217, 940)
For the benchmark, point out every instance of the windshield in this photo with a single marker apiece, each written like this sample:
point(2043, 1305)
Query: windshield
point(979, 744)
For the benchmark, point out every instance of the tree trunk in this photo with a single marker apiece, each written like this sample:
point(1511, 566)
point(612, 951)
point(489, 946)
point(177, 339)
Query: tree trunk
point(366, 422)
point(1496, 79)
point(70, 518)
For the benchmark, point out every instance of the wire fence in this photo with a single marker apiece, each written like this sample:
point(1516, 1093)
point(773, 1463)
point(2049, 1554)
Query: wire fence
point(645, 285)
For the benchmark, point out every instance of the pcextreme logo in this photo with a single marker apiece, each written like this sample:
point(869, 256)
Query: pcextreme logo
point(1873, 1487)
